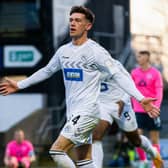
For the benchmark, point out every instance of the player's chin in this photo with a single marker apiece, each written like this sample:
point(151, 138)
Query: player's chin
point(72, 34)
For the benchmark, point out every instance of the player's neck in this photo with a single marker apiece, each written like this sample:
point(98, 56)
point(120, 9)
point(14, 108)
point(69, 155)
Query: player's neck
point(145, 66)
point(20, 142)
point(79, 41)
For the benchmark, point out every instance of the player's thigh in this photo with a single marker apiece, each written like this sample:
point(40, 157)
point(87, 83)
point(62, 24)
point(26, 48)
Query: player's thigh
point(100, 130)
point(12, 161)
point(83, 152)
point(108, 110)
point(26, 162)
point(62, 144)
point(79, 129)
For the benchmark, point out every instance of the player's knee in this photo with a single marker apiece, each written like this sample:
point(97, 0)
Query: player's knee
point(12, 162)
point(57, 155)
point(57, 147)
point(154, 141)
point(61, 159)
point(134, 139)
point(26, 162)
point(136, 142)
point(97, 136)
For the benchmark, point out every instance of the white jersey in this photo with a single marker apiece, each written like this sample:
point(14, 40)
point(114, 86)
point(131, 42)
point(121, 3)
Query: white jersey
point(109, 109)
point(110, 89)
point(82, 67)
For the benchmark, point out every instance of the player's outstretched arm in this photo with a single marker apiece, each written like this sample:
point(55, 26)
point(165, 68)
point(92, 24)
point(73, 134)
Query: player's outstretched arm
point(122, 77)
point(8, 86)
point(149, 107)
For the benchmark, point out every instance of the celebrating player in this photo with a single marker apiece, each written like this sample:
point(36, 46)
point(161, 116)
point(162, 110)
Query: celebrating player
point(82, 62)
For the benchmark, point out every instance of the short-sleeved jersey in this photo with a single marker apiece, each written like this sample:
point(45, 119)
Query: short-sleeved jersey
point(81, 66)
point(21, 150)
point(149, 83)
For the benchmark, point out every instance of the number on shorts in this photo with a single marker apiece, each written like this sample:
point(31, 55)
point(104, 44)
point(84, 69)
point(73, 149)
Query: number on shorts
point(127, 116)
point(75, 120)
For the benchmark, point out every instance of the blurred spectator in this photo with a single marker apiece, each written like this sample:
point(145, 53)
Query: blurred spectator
point(158, 64)
point(19, 152)
point(148, 81)
point(123, 153)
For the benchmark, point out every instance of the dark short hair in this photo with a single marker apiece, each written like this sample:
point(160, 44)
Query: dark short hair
point(83, 10)
point(144, 52)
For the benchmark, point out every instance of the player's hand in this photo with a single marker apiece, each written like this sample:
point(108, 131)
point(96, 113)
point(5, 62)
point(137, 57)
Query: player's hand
point(8, 86)
point(121, 106)
point(149, 107)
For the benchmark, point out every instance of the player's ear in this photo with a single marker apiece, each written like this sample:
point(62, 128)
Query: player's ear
point(89, 26)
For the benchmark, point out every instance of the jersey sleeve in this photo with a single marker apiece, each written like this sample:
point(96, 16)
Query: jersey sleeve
point(43, 73)
point(158, 89)
point(118, 72)
point(125, 98)
point(30, 149)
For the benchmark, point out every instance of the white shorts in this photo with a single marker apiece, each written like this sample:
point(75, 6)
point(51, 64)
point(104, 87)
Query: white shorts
point(126, 122)
point(79, 129)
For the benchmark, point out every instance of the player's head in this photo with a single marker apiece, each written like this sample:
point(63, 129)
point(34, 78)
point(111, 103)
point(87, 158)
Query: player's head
point(81, 21)
point(143, 57)
point(19, 135)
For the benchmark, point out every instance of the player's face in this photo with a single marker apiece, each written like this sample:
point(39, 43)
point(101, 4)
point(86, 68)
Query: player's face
point(79, 25)
point(142, 59)
point(19, 136)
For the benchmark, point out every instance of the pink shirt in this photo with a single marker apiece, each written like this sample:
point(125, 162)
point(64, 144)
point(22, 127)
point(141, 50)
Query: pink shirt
point(24, 149)
point(149, 83)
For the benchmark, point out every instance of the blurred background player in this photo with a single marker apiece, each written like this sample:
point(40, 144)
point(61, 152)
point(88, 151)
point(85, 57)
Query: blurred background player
point(19, 152)
point(148, 81)
point(111, 101)
point(123, 152)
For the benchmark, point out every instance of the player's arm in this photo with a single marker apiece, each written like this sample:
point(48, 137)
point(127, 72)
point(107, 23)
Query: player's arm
point(7, 156)
point(158, 89)
point(32, 156)
point(121, 76)
point(6, 159)
point(125, 98)
point(11, 86)
point(124, 80)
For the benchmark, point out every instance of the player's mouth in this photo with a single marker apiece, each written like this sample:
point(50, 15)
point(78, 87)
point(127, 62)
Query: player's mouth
point(72, 30)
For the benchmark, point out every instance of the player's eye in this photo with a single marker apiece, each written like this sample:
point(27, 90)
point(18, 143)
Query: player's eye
point(78, 20)
point(70, 20)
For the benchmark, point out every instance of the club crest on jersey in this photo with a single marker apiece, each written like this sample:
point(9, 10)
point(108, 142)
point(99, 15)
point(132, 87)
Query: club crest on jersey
point(73, 74)
point(104, 87)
